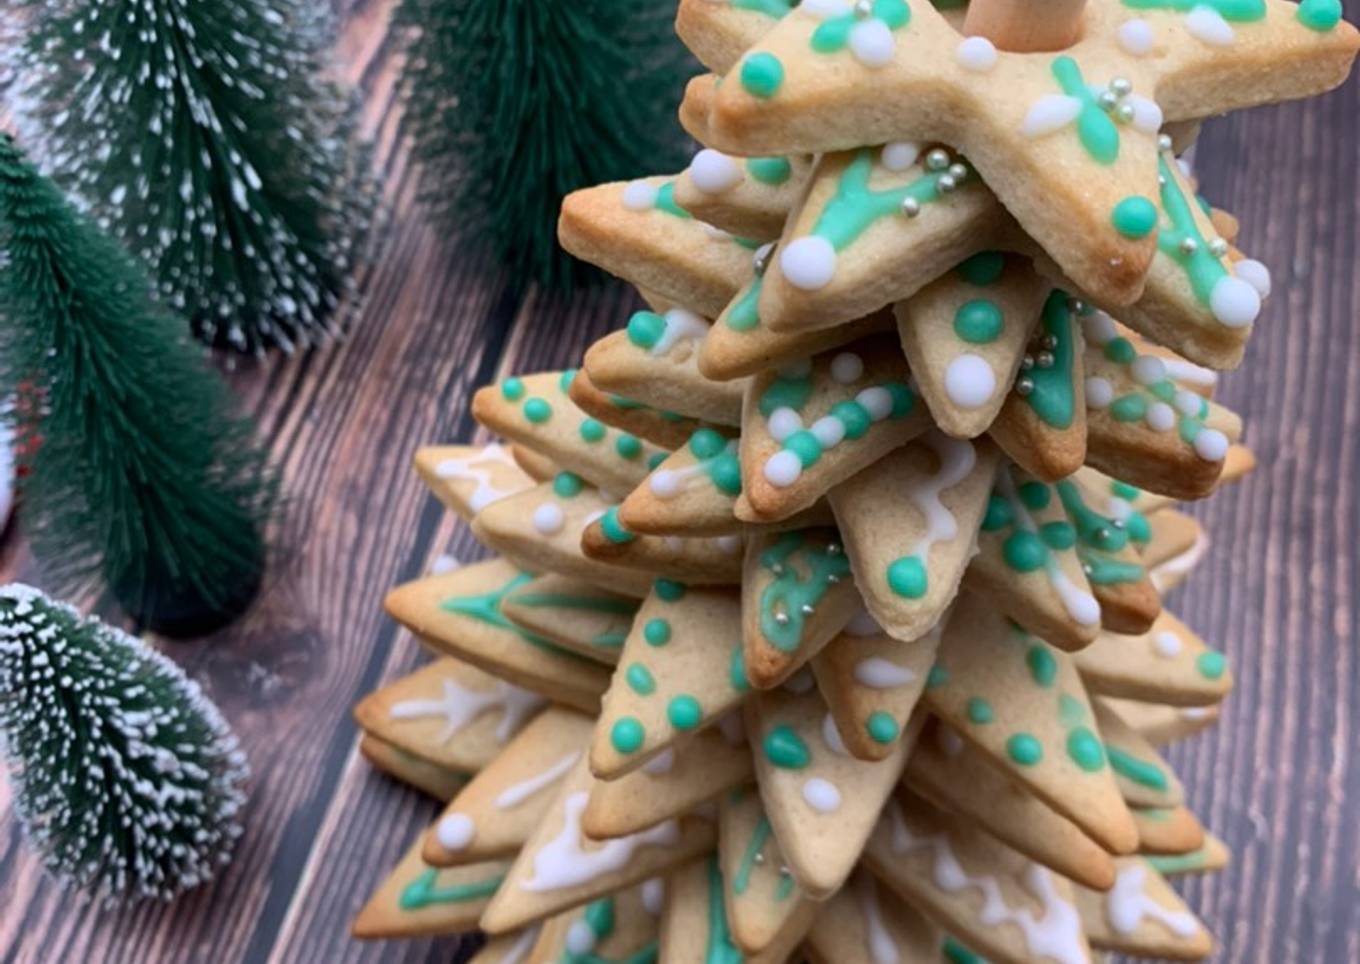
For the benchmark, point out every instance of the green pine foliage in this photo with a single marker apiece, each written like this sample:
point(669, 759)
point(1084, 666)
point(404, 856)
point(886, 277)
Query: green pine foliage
point(205, 136)
point(137, 471)
point(515, 103)
point(126, 777)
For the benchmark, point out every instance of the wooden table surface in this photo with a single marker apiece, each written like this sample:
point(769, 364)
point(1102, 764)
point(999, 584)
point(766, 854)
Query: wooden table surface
point(1277, 592)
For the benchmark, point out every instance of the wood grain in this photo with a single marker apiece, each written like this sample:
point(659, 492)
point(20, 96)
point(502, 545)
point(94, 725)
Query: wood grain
point(1278, 590)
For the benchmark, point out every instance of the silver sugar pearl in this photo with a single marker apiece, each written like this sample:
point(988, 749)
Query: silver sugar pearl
point(832, 579)
point(1086, 568)
point(1189, 246)
point(1107, 100)
point(1076, 305)
point(1027, 362)
point(777, 568)
point(1049, 341)
point(958, 171)
point(946, 183)
point(1102, 534)
point(1121, 86)
point(760, 858)
point(1023, 386)
point(1117, 523)
point(1218, 247)
point(781, 618)
point(910, 207)
point(1164, 142)
point(833, 548)
point(937, 160)
point(762, 260)
point(1124, 112)
point(1161, 180)
point(806, 609)
point(864, 9)
point(1045, 359)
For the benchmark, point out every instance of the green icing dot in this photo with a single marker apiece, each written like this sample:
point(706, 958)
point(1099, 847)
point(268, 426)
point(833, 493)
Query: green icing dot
point(1042, 665)
point(1134, 217)
point(1120, 351)
point(1128, 408)
point(568, 484)
point(512, 389)
point(1024, 749)
point(669, 589)
point(804, 445)
point(1211, 664)
point(640, 679)
point(645, 329)
point(983, 268)
point(762, 74)
point(937, 677)
point(854, 416)
point(1070, 710)
point(657, 632)
point(628, 446)
point(592, 430)
point(1058, 535)
point(684, 712)
point(537, 410)
point(737, 671)
point(655, 459)
point(978, 322)
point(1320, 15)
point(1085, 749)
point(907, 577)
point(627, 735)
point(881, 727)
point(1035, 495)
point(564, 380)
point(613, 529)
point(902, 399)
point(1024, 551)
point(999, 514)
point(1124, 490)
point(705, 443)
point(979, 711)
point(786, 749)
point(770, 170)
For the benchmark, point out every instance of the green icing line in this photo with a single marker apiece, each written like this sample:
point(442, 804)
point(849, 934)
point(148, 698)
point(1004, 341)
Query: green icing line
point(744, 314)
point(782, 602)
point(953, 951)
point(785, 748)
point(610, 639)
point(424, 891)
point(719, 948)
point(1085, 750)
point(855, 206)
point(737, 670)
point(741, 880)
point(599, 917)
point(1178, 863)
point(1242, 11)
point(665, 201)
point(1097, 131)
point(1098, 535)
point(1052, 397)
point(1201, 267)
point(1139, 771)
point(983, 268)
point(557, 600)
point(834, 33)
point(486, 608)
point(771, 8)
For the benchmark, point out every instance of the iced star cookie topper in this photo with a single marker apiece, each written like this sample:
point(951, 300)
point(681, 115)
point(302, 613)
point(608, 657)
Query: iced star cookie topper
point(1066, 139)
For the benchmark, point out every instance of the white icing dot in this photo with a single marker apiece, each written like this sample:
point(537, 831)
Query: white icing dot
point(1135, 36)
point(825, 9)
point(847, 367)
point(863, 624)
point(976, 53)
point(1147, 369)
point(783, 422)
point(653, 895)
point(808, 262)
point(822, 795)
point(828, 430)
point(580, 938)
point(1082, 607)
point(950, 742)
point(548, 519)
point(660, 764)
point(969, 381)
point(1160, 417)
point(445, 563)
point(878, 673)
point(1099, 392)
point(639, 196)
point(1196, 712)
point(714, 172)
point(871, 42)
point(831, 735)
point(783, 469)
point(1234, 302)
point(1099, 327)
point(1255, 274)
point(1147, 115)
point(1167, 644)
point(877, 401)
point(1208, 25)
point(1211, 445)
point(1050, 113)
point(728, 544)
point(1188, 402)
point(899, 155)
point(665, 483)
point(455, 831)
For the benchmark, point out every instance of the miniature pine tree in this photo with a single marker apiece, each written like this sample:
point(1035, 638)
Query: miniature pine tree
point(514, 103)
point(136, 468)
point(126, 777)
point(207, 140)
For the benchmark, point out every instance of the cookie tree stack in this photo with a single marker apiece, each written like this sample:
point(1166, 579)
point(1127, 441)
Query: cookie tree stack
point(832, 628)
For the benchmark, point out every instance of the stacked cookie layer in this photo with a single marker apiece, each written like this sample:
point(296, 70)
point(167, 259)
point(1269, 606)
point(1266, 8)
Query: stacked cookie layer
point(826, 618)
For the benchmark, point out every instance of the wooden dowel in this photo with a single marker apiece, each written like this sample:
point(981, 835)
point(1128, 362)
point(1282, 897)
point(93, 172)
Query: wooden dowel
point(1025, 25)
